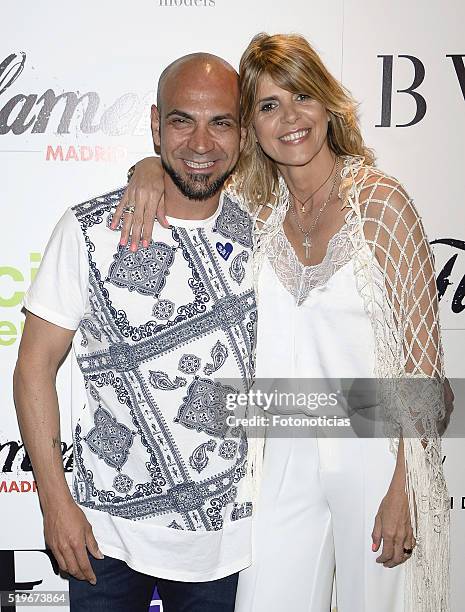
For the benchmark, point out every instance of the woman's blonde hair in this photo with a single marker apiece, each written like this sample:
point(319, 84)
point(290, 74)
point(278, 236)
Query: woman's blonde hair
point(295, 66)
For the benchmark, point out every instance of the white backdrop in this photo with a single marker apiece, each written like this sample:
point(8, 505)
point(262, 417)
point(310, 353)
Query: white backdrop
point(53, 155)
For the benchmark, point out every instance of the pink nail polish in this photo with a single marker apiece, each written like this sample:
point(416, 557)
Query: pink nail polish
point(122, 242)
point(145, 243)
point(373, 547)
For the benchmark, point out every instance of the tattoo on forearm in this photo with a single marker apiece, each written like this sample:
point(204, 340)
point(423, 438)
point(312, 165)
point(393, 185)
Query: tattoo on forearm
point(56, 442)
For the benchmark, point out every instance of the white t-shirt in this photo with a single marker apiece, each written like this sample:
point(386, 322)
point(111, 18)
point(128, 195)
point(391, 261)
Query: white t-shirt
point(157, 471)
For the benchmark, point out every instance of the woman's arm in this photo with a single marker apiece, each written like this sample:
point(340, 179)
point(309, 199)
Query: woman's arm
point(395, 235)
point(145, 192)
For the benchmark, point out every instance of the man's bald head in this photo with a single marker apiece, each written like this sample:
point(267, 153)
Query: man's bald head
point(203, 65)
point(196, 124)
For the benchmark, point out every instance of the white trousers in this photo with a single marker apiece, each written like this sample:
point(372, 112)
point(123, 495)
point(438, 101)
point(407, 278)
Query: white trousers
point(315, 515)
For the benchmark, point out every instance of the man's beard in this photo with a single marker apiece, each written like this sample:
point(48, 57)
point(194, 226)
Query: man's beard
point(198, 187)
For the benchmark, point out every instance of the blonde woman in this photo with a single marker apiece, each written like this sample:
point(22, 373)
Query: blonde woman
point(346, 289)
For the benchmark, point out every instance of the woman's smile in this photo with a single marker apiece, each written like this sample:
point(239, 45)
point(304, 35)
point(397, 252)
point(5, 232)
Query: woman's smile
point(295, 137)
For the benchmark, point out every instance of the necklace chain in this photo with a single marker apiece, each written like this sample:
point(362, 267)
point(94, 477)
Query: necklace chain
point(303, 202)
point(307, 243)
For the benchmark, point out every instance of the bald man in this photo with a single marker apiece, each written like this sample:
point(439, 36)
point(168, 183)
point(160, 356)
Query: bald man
point(160, 486)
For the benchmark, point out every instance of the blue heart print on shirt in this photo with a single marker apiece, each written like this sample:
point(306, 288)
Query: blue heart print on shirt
point(224, 250)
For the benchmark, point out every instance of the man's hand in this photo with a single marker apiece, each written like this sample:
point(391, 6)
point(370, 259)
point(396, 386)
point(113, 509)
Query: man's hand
point(69, 535)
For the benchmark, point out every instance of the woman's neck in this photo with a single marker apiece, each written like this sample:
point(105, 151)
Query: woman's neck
point(303, 180)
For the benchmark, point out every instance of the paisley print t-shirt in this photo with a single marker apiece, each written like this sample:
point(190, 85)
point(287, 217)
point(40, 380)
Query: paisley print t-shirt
point(158, 471)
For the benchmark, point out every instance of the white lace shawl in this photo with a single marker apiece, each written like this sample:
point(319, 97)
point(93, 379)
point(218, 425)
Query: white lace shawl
point(386, 233)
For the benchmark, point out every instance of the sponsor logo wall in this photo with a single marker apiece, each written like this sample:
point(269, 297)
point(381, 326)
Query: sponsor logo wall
point(75, 95)
point(411, 88)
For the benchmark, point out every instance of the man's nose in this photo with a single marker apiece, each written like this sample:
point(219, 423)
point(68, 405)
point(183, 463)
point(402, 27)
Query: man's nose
point(200, 140)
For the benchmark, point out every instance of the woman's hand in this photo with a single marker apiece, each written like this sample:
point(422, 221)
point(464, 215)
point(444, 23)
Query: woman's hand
point(145, 192)
point(393, 526)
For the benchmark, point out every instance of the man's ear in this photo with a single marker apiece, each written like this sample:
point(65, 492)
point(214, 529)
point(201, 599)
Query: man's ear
point(155, 124)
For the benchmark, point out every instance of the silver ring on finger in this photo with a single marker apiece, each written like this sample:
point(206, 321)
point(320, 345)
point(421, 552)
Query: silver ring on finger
point(129, 209)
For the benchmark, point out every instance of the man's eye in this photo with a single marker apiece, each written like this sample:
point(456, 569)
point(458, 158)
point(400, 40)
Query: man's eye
point(223, 124)
point(179, 120)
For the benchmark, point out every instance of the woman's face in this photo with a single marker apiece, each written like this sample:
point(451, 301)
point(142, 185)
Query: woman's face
point(291, 128)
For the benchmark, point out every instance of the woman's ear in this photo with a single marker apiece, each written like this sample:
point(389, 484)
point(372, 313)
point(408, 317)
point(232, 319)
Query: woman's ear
point(253, 134)
point(242, 142)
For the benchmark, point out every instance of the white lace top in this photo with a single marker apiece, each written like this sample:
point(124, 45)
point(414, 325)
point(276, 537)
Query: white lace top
point(299, 279)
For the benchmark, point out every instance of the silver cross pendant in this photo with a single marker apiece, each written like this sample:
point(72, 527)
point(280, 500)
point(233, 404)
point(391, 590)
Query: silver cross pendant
point(307, 244)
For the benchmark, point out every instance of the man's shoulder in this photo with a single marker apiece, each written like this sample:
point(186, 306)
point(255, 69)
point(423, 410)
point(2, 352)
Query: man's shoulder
point(233, 199)
point(97, 209)
point(234, 221)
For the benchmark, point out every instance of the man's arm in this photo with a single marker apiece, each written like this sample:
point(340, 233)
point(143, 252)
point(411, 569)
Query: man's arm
point(67, 531)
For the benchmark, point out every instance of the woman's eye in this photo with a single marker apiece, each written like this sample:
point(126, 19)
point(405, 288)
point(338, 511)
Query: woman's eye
point(302, 97)
point(266, 108)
